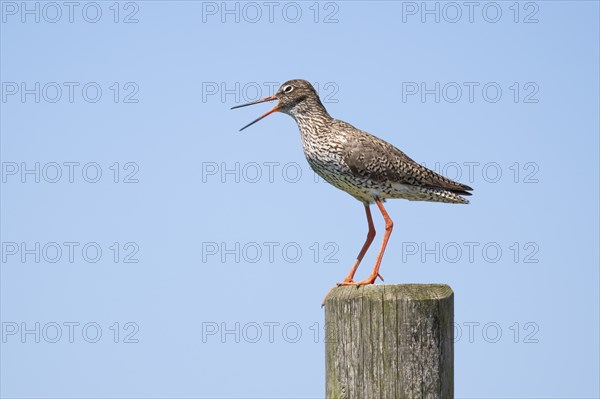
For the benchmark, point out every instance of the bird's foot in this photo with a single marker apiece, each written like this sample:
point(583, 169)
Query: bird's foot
point(352, 282)
point(346, 282)
point(369, 280)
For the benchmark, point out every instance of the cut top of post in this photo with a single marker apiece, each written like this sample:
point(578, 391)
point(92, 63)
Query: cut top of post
point(417, 292)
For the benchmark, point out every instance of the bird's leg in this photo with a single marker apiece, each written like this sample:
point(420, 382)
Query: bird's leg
point(389, 225)
point(349, 280)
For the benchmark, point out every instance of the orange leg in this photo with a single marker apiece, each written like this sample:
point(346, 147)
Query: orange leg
point(349, 280)
point(389, 225)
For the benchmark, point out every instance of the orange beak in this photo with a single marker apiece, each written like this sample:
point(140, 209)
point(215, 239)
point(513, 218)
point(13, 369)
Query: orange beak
point(262, 100)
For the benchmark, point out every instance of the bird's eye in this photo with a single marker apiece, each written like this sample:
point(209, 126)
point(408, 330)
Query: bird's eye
point(288, 89)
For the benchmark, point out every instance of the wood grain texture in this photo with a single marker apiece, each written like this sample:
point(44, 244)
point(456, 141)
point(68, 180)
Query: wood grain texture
point(390, 341)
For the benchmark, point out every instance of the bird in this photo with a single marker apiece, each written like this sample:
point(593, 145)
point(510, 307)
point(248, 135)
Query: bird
point(359, 163)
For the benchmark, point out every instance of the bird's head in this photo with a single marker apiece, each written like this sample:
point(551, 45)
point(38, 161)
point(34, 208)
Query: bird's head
point(294, 96)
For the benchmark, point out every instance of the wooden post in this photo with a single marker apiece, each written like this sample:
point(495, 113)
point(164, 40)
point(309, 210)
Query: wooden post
point(390, 341)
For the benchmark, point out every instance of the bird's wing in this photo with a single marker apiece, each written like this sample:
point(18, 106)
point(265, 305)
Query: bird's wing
point(378, 160)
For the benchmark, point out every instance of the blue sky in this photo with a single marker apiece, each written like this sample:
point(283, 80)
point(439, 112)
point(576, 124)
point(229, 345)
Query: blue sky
point(155, 251)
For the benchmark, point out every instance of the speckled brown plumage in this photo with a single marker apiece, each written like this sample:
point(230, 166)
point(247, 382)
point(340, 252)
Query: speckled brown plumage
point(361, 164)
point(366, 167)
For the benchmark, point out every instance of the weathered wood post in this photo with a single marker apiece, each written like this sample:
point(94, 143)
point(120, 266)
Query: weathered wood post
point(390, 341)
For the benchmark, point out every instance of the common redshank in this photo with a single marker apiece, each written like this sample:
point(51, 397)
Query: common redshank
point(366, 167)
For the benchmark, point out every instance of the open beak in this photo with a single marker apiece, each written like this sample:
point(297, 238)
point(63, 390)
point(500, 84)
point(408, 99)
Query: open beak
point(262, 100)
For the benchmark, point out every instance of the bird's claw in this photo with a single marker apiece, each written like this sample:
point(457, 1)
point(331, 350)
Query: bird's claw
point(367, 281)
